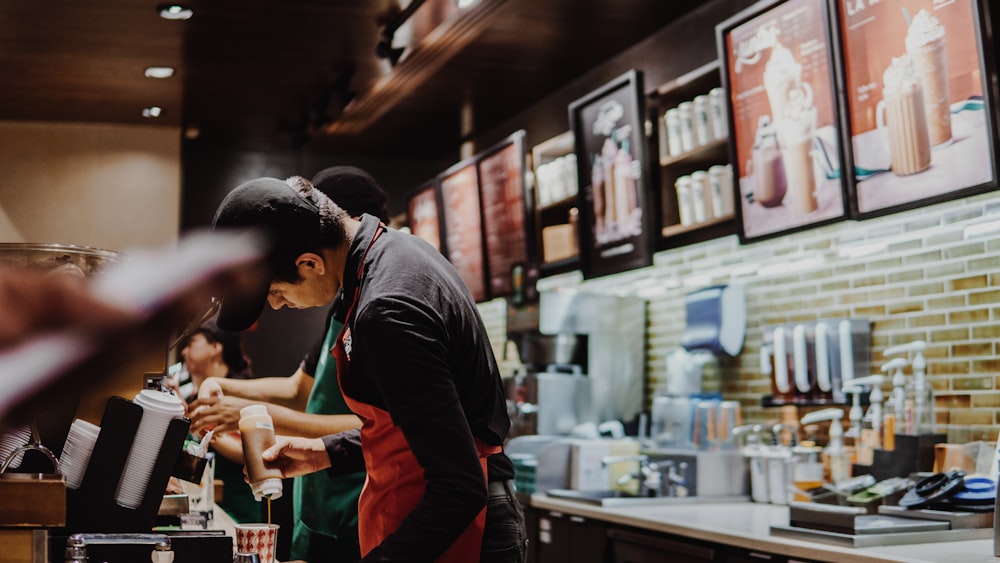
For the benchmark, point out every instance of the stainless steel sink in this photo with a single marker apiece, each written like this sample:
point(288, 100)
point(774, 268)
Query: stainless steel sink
point(614, 498)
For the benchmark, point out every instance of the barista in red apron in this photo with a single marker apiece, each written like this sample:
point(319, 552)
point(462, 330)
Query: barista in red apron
point(415, 362)
point(395, 481)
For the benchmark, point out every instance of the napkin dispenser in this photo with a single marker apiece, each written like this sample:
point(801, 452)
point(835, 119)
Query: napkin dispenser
point(716, 319)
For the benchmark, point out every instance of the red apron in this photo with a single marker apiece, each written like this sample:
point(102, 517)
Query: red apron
point(395, 482)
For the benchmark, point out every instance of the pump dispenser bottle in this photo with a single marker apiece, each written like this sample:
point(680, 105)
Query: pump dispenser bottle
point(871, 424)
point(835, 458)
point(895, 417)
point(922, 395)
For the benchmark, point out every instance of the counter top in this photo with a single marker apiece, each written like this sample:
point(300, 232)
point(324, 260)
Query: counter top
point(747, 525)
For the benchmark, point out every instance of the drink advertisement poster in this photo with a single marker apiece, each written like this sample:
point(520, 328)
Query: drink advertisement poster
point(616, 223)
point(463, 227)
point(785, 138)
point(505, 215)
point(919, 120)
point(424, 215)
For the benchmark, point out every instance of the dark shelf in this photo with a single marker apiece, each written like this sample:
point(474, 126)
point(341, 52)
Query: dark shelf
point(559, 267)
point(715, 152)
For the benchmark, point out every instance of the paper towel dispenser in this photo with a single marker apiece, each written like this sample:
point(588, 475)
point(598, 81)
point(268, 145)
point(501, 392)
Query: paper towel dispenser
point(716, 319)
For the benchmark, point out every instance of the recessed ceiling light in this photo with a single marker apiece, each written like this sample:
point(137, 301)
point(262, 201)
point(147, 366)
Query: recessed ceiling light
point(159, 72)
point(152, 112)
point(175, 12)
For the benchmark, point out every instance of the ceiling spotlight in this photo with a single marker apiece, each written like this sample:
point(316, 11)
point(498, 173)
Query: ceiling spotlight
point(152, 112)
point(159, 72)
point(174, 12)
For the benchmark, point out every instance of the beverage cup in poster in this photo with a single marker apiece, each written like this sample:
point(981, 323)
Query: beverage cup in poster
point(925, 43)
point(901, 118)
point(782, 75)
point(766, 172)
point(797, 130)
point(626, 199)
point(597, 185)
point(608, 153)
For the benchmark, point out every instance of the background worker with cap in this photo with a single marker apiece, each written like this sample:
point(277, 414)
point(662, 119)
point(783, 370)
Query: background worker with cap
point(414, 361)
point(309, 403)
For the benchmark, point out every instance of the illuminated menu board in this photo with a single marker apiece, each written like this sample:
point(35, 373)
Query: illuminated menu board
point(463, 226)
point(501, 178)
point(424, 215)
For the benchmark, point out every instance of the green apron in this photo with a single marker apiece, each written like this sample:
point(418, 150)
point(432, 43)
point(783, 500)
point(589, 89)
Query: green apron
point(326, 508)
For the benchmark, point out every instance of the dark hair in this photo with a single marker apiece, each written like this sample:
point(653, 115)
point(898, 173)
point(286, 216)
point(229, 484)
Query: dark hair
point(233, 354)
point(331, 232)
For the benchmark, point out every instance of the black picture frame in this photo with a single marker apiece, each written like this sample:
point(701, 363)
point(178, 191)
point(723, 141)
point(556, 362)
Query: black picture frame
point(610, 145)
point(947, 151)
point(778, 58)
point(462, 225)
point(508, 205)
point(424, 214)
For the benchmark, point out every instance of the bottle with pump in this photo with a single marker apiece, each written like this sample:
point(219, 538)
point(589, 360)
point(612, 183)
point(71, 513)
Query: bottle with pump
point(257, 434)
point(836, 460)
point(871, 424)
point(855, 414)
point(922, 395)
point(895, 417)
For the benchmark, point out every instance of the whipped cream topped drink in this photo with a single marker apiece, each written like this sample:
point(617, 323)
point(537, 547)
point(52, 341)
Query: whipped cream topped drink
point(796, 131)
point(901, 114)
point(925, 43)
point(765, 167)
point(782, 75)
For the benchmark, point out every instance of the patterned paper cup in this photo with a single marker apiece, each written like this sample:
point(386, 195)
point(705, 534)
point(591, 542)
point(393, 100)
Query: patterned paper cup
point(257, 538)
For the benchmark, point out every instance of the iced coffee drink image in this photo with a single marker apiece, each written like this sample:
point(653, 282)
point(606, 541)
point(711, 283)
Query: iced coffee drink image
point(782, 75)
point(902, 118)
point(796, 131)
point(925, 44)
point(764, 168)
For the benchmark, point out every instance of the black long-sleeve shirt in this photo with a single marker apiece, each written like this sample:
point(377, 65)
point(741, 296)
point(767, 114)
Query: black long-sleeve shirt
point(421, 353)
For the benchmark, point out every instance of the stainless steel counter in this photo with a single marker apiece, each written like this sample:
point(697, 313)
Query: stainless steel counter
point(747, 525)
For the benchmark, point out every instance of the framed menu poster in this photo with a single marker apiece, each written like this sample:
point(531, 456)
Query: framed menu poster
point(920, 121)
point(506, 215)
point(785, 143)
point(616, 207)
point(463, 226)
point(424, 213)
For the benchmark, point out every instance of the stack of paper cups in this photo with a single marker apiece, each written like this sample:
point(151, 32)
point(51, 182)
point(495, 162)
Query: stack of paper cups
point(10, 441)
point(158, 409)
point(76, 453)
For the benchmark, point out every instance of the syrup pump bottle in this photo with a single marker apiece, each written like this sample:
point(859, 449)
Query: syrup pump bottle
point(895, 408)
point(836, 460)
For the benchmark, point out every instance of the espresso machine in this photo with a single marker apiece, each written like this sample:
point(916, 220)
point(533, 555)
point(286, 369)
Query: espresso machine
point(597, 342)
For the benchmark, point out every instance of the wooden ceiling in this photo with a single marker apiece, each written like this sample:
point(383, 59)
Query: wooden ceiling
point(266, 74)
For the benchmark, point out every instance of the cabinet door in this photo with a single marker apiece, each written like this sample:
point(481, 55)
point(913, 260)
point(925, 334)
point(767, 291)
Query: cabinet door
point(740, 555)
point(635, 547)
point(570, 539)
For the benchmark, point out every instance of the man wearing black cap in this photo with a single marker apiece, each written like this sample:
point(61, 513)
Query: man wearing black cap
point(310, 403)
point(414, 362)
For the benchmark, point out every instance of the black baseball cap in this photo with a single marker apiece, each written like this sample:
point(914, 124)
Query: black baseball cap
point(354, 190)
point(288, 220)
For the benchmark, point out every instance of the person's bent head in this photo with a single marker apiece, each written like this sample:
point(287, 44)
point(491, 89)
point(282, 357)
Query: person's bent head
point(300, 223)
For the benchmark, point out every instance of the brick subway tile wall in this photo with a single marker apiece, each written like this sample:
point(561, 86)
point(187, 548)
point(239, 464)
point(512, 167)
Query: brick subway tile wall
point(931, 273)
